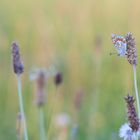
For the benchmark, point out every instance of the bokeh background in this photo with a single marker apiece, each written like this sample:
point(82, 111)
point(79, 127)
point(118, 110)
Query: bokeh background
point(74, 37)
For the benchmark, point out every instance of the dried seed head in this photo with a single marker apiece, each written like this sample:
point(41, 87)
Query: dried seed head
point(40, 89)
point(78, 99)
point(98, 43)
point(58, 78)
point(17, 64)
point(131, 49)
point(131, 113)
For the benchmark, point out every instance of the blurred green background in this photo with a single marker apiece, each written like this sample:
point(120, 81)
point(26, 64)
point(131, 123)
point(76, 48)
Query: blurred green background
point(73, 36)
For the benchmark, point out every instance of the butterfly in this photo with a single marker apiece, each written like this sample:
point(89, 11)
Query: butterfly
point(120, 44)
point(35, 72)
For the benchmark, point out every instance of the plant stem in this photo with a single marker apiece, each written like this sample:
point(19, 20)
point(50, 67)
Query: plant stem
point(136, 90)
point(42, 128)
point(19, 126)
point(21, 106)
point(136, 137)
point(53, 109)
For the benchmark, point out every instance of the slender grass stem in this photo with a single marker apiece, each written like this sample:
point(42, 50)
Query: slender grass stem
point(21, 106)
point(136, 137)
point(52, 111)
point(42, 128)
point(18, 130)
point(136, 90)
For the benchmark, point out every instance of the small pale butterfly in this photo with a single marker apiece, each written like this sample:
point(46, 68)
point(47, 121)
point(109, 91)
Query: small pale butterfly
point(120, 44)
point(34, 73)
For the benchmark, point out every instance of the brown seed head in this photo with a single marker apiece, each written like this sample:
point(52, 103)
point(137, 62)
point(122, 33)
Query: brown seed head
point(78, 99)
point(58, 79)
point(17, 64)
point(40, 89)
point(98, 42)
point(131, 113)
point(131, 49)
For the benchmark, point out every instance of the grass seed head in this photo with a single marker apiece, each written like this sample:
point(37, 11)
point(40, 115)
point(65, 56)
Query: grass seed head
point(40, 88)
point(131, 49)
point(58, 78)
point(132, 114)
point(17, 63)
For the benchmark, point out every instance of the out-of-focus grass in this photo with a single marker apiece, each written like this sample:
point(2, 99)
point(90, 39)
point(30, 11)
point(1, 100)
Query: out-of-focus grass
point(62, 33)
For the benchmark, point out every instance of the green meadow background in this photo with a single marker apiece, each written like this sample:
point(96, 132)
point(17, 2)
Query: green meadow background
point(74, 37)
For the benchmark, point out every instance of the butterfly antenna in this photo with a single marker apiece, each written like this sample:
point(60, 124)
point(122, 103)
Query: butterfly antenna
point(112, 53)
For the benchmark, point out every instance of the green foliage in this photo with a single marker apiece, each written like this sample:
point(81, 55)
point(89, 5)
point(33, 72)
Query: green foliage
point(63, 33)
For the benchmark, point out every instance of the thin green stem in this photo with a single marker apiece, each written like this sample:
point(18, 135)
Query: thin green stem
point(136, 90)
point(19, 127)
point(21, 106)
point(53, 109)
point(42, 128)
point(136, 137)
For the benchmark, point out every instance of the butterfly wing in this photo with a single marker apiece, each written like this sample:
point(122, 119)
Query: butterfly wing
point(120, 44)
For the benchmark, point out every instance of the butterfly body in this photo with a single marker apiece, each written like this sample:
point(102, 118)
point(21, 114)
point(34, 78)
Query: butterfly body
point(120, 44)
